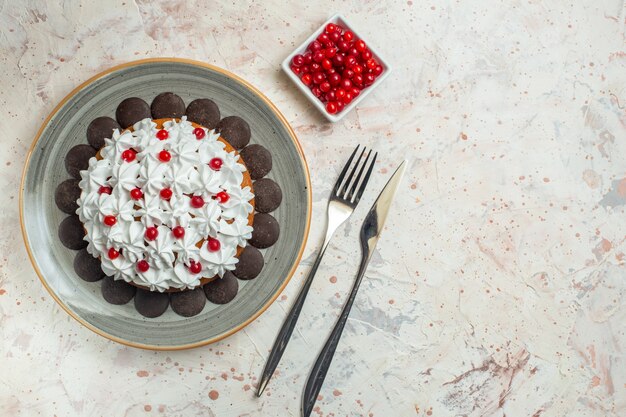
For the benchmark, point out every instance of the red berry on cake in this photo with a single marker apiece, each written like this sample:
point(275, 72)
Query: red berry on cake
point(128, 155)
point(151, 233)
point(195, 267)
point(165, 156)
point(105, 190)
point(199, 133)
point(136, 193)
point(143, 266)
point(178, 232)
point(222, 197)
point(197, 201)
point(113, 253)
point(162, 134)
point(214, 245)
point(110, 220)
point(166, 193)
point(215, 164)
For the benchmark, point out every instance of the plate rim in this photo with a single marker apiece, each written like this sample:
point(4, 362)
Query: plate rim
point(252, 89)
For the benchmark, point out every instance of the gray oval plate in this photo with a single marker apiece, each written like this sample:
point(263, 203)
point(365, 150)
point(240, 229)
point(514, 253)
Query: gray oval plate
point(66, 127)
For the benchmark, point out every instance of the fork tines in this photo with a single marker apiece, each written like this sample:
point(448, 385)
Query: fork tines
point(352, 188)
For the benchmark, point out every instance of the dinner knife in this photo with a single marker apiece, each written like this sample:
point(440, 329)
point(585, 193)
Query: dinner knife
point(370, 232)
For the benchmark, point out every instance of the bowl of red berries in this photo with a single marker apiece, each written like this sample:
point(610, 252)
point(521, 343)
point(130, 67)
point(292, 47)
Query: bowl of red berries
point(335, 68)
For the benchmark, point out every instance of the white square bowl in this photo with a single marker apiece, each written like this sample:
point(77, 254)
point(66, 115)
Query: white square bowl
point(286, 65)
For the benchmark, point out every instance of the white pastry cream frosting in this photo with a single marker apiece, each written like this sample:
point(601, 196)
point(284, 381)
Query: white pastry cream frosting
point(155, 195)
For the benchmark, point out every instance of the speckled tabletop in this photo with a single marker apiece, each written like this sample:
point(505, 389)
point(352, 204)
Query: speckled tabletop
point(498, 285)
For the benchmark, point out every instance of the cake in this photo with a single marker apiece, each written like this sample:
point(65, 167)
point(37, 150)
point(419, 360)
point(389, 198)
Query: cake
point(165, 205)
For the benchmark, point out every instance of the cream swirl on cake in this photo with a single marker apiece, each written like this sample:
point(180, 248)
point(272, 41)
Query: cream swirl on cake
point(164, 208)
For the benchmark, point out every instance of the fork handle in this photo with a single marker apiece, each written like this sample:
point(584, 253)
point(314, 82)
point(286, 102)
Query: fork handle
point(322, 363)
point(288, 325)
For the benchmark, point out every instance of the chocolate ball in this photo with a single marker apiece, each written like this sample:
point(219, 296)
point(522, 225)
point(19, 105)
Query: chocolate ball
point(87, 267)
point(188, 303)
point(258, 160)
point(71, 233)
point(222, 290)
point(266, 231)
point(66, 195)
point(77, 159)
point(117, 292)
point(99, 129)
point(151, 304)
point(131, 111)
point(267, 195)
point(250, 263)
point(167, 105)
point(204, 112)
point(235, 130)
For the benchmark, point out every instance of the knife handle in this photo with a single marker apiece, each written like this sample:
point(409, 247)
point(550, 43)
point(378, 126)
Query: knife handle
point(322, 363)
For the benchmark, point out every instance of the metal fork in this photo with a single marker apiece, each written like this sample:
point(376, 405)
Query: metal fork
point(343, 200)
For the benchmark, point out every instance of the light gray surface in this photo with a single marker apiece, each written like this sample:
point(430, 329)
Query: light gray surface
point(67, 128)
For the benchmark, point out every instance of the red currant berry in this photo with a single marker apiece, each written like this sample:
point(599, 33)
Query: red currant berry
point(195, 267)
point(110, 220)
point(326, 64)
point(166, 194)
point(366, 55)
point(350, 61)
point(315, 67)
point(334, 79)
point(128, 155)
point(162, 134)
point(348, 97)
point(113, 254)
point(178, 232)
point(197, 201)
point(318, 56)
point(296, 70)
point(377, 70)
point(222, 196)
point(371, 64)
point(345, 83)
point(297, 60)
point(355, 91)
point(358, 69)
point(353, 52)
point(360, 45)
point(307, 79)
point(331, 107)
point(199, 132)
point(143, 266)
point(334, 37)
point(340, 93)
point(316, 91)
point(305, 69)
point(165, 156)
point(213, 245)
point(330, 96)
point(331, 28)
point(368, 79)
point(325, 86)
point(343, 46)
point(347, 74)
point(330, 71)
point(357, 79)
point(136, 193)
point(315, 46)
point(215, 164)
point(318, 77)
point(340, 106)
point(348, 36)
point(105, 190)
point(307, 57)
point(338, 60)
point(151, 233)
point(323, 38)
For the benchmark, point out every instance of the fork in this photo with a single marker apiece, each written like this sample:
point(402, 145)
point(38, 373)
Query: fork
point(344, 198)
